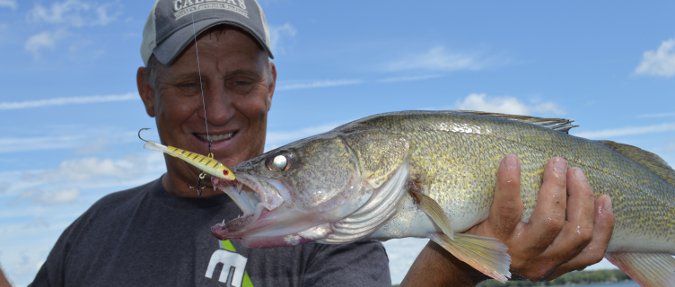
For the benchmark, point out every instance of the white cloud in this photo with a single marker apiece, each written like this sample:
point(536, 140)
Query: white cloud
point(62, 101)
point(39, 204)
point(11, 4)
point(62, 17)
point(660, 62)
point(89, 168)
point(437, 59)
point(104, 16)
point(76, 138)
point(50, 197)
point(21, 144)
point(507, 105)
point(28, 244)
point(45, 40)
point(318, 84)
point(278, 34)
point(73, 13)
point(63, 183)
point(627, 131)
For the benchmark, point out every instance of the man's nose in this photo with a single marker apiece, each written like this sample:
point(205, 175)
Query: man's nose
point(218, 105)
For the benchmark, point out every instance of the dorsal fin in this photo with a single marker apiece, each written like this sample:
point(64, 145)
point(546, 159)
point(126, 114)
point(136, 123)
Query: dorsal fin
point(650, 160)
point(558, 124)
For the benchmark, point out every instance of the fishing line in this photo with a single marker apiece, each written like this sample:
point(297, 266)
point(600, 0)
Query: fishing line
point(202, 175)
point(201, 85)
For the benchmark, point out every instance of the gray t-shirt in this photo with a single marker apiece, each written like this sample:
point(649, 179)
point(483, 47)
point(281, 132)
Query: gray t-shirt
point(146, 237)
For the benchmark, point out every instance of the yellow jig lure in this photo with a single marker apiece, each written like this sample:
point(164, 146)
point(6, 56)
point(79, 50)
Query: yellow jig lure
point(206, 164)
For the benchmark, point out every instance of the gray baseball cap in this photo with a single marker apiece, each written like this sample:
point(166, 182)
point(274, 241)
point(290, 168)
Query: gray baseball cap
point(173, 24)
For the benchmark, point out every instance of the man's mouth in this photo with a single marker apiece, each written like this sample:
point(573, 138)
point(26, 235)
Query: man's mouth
point(215, 137)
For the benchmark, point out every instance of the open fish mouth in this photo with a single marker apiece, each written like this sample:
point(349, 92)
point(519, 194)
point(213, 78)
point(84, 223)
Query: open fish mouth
point(256, 199)
point(270, 217)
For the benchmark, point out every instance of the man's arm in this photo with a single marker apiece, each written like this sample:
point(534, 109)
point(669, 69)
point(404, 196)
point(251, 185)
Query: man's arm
point(3, 280)
point(569, 229)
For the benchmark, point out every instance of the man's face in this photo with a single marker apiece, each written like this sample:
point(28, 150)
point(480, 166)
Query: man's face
point(238, 83)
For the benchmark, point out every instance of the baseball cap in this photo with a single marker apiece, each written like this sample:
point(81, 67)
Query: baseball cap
point(169, 28)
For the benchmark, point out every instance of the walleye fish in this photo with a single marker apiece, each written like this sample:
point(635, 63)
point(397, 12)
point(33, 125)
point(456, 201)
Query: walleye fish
point(432, 174)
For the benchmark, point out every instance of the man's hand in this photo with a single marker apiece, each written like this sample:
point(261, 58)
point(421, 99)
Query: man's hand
point(569, 229)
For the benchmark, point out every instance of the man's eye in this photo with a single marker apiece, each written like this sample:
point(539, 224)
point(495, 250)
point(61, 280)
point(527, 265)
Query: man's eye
point(240, 82)
point(241, 86)
point(243, 83)
point(187, 85)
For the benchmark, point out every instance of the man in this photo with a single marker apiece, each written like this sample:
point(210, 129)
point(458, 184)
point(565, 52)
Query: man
point(3, 280)
point(208, 81)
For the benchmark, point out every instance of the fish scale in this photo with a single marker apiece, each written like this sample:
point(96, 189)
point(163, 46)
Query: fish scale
point(482, 147)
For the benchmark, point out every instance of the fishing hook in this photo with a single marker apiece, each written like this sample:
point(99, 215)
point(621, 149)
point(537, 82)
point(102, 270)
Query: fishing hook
point(139, 134)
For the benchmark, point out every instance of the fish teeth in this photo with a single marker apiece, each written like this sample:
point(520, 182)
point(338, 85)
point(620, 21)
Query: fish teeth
point(246, 201)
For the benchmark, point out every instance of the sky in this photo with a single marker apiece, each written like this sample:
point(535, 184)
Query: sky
point(70, 111)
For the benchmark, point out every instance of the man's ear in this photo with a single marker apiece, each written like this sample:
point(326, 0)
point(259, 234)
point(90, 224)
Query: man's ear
point(146, 91)
point(272, 84)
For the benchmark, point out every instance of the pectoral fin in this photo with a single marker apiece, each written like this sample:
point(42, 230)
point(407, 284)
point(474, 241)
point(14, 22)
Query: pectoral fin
point(485, 254)
point(647, 269)
point(431, 208)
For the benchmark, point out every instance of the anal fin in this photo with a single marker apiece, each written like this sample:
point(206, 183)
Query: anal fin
point(647, 269)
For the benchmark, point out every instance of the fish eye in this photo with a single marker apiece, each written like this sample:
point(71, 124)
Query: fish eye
point(279, 162)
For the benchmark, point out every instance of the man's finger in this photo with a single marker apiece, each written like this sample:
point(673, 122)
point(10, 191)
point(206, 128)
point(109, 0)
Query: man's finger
point(580, 199)
point(507, 206)
point(602, 232)
point(548, 216)
point(578, 229)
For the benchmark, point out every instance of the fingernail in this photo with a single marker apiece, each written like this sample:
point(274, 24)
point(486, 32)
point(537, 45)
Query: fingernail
point(559, 165)
point(510, 161)
point(607, 204)
point(578, 173)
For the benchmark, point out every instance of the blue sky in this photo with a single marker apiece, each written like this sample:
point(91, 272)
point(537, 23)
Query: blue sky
point(70, 112)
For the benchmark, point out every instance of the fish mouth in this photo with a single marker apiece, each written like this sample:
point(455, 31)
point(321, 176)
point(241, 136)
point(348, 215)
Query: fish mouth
point(253, 199)
point(269, 218)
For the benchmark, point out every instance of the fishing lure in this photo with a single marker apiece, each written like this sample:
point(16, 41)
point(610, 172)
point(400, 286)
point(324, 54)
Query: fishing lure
point(207, 164)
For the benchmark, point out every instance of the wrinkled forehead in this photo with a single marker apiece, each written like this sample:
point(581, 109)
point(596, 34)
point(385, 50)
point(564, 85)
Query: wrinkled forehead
point(225, 37)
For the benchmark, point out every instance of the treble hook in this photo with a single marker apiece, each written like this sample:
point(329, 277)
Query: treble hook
point(199, 186)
